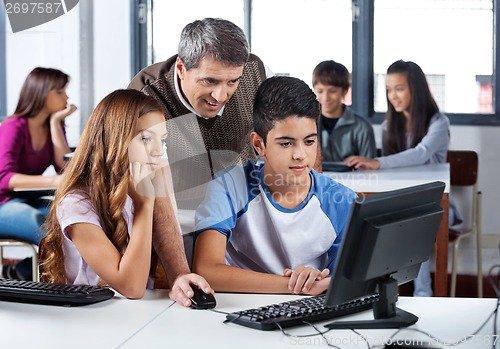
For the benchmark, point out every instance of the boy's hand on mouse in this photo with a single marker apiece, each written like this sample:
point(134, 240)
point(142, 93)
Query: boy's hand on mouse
point(182, 289)
point(302, 278)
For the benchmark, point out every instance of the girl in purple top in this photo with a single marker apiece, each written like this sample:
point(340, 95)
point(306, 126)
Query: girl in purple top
point(31, 140)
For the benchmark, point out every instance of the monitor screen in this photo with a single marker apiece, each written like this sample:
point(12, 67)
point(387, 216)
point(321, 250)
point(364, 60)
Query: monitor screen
point(388, 236)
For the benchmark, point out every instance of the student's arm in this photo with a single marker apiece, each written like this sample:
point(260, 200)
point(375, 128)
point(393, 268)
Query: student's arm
point(125, 271)
point(59, 142)
point(208, 261)
point(362, 162)
point(127, 274)
point(20, 180)
point(302, 278)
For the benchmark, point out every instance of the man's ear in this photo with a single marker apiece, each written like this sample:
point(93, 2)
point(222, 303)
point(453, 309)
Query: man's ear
point(258, 143)
point(181, 68)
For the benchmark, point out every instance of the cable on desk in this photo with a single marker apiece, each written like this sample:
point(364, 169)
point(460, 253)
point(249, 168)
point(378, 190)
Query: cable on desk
point(467, 338)
point(322, 334)
point(219, 311)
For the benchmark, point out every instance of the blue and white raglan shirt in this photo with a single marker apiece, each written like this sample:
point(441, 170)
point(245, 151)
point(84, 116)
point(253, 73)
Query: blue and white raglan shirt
point(265, 237)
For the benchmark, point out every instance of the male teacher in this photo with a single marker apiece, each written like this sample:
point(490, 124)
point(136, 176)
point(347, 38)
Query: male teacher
point(207, 90)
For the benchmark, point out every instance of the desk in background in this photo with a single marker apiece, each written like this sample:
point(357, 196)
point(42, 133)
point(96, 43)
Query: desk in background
point(154, 322)
point(369, 182)
point(34, 192)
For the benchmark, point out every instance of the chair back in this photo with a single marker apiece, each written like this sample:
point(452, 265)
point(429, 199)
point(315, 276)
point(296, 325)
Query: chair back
point(463, 181)
point(463, 167)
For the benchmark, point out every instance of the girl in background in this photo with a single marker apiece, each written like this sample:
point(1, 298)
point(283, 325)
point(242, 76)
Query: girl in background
point(31, 140)
point(100, 225)
point(414, 133)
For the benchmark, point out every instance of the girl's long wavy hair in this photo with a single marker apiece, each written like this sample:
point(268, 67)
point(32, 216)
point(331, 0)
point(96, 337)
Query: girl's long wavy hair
point(39, 82)
point(422, 108)
point(99, 171)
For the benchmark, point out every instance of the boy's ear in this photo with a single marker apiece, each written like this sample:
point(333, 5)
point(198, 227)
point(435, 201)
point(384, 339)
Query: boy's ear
point(258, 143)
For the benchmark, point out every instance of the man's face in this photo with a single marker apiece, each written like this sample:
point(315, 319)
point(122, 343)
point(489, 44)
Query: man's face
point(209, 86)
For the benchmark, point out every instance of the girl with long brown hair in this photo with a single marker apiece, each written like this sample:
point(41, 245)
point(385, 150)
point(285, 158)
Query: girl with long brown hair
point(100, 225)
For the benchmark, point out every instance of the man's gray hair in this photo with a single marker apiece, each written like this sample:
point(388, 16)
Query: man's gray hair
point(214, 38)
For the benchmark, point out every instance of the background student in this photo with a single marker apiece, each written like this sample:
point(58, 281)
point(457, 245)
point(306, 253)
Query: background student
point(414, 132)
point(100, 225)
point(341, 131)
point(207, 91)
point(274, 227)
point(31, 140)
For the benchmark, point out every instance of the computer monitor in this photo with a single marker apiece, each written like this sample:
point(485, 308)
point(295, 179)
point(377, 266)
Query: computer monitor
point(388, 236)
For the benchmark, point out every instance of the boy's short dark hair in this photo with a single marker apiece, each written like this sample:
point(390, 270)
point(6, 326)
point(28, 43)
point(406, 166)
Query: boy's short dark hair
point(280, 97)
point(331, 73)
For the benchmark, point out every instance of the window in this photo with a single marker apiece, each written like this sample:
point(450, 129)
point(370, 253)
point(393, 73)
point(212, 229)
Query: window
point(170, 18)
point(451, 40)
point(293, 36)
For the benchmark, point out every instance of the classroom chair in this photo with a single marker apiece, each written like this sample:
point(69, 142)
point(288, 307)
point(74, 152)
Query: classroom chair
point(18, 243)
point(463, 181)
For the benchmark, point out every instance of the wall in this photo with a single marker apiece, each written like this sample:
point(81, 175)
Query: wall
point(56, 44)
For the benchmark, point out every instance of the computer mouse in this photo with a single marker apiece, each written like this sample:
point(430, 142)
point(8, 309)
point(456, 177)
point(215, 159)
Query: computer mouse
point(202, 300)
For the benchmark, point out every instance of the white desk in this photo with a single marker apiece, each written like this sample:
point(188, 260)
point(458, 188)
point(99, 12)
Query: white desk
point(365, 182)
point(391, 179)
point(153, 323)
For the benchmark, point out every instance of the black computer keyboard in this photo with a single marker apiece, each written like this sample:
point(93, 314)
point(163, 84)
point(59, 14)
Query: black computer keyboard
point(52, 294)
point(297, 312)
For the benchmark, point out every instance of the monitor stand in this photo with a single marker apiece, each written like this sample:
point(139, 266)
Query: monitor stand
point(385, 313)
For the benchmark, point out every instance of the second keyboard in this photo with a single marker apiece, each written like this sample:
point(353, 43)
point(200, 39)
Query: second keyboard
point(52, 294)
point(297, 312)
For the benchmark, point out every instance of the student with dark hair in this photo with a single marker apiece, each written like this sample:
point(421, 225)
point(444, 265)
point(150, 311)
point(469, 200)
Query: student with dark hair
point(342, 132)
point(254, 231)
point(31, 140)
point(414, 133)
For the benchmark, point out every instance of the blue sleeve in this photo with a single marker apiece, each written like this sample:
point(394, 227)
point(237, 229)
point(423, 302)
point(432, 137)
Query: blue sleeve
point(225, 198)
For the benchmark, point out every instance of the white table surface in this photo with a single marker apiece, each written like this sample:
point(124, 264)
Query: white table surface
point(362, 181)
point(155, 322)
